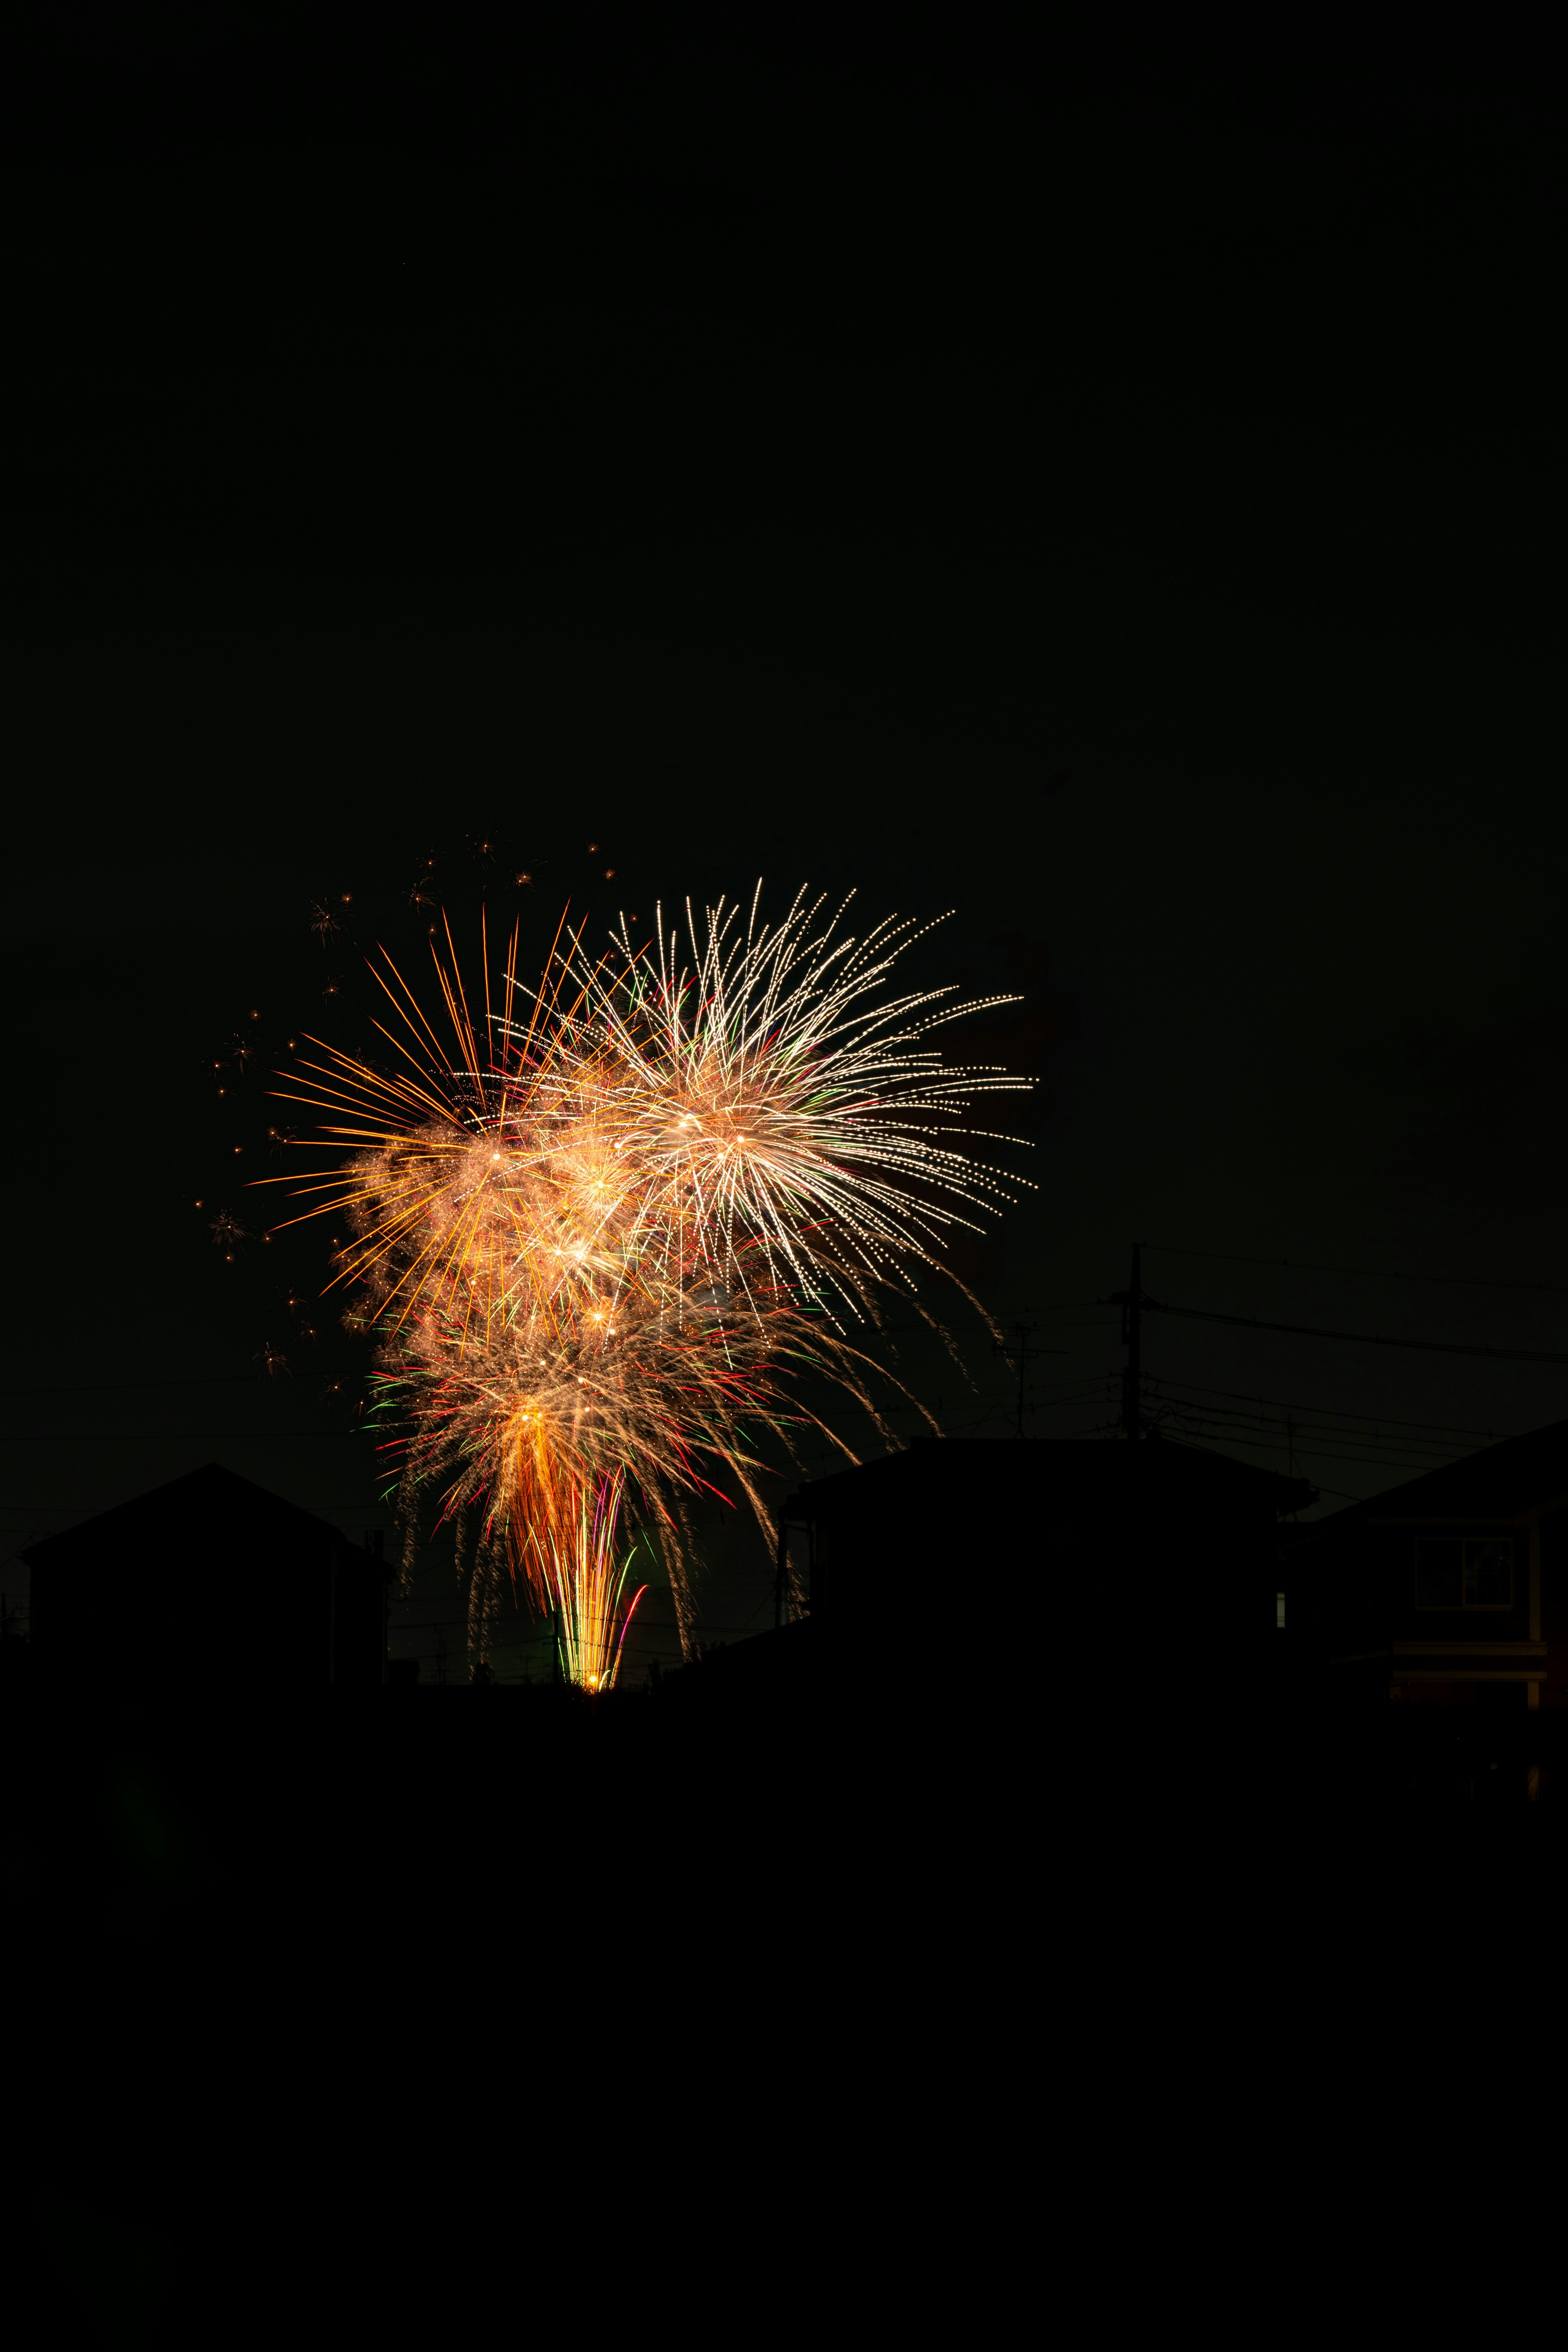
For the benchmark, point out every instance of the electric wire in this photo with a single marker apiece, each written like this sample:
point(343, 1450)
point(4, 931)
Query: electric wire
point(1358, 1272)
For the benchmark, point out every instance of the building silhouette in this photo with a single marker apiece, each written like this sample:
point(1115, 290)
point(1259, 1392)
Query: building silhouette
point(208, 1583)
point(1451, 1590)
point(1117, 1568)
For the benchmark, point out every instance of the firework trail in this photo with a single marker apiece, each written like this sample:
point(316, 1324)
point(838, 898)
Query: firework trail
point(587, 1588)
point(603, 1231)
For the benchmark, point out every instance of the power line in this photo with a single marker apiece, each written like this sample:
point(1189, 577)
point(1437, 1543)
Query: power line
point(1289, 1404)
point(1361, 1339)
point(1311, 1453)
point(1370, 1449)
point(1326, 1425)
point(1338, 1492)
point(1308, 1446)
point(1360, 1273)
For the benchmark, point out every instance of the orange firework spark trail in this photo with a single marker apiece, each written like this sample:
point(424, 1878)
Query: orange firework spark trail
point(419, 1022)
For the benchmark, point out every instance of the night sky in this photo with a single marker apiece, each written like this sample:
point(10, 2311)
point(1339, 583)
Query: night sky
point(1108, 484)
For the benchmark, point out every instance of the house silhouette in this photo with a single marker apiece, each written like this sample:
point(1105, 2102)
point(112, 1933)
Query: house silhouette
point(1451, 1588)
point(1107, 1564)
point(210, 1582)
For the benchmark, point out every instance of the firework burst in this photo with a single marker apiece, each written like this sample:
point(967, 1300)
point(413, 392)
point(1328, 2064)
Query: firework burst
point(757, 1084)
point(601, 1224)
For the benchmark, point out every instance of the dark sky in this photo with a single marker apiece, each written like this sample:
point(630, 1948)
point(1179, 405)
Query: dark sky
point(1108, 485)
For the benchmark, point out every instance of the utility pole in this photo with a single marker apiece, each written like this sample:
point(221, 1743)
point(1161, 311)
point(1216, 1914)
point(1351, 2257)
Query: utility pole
point(1134, 1303)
